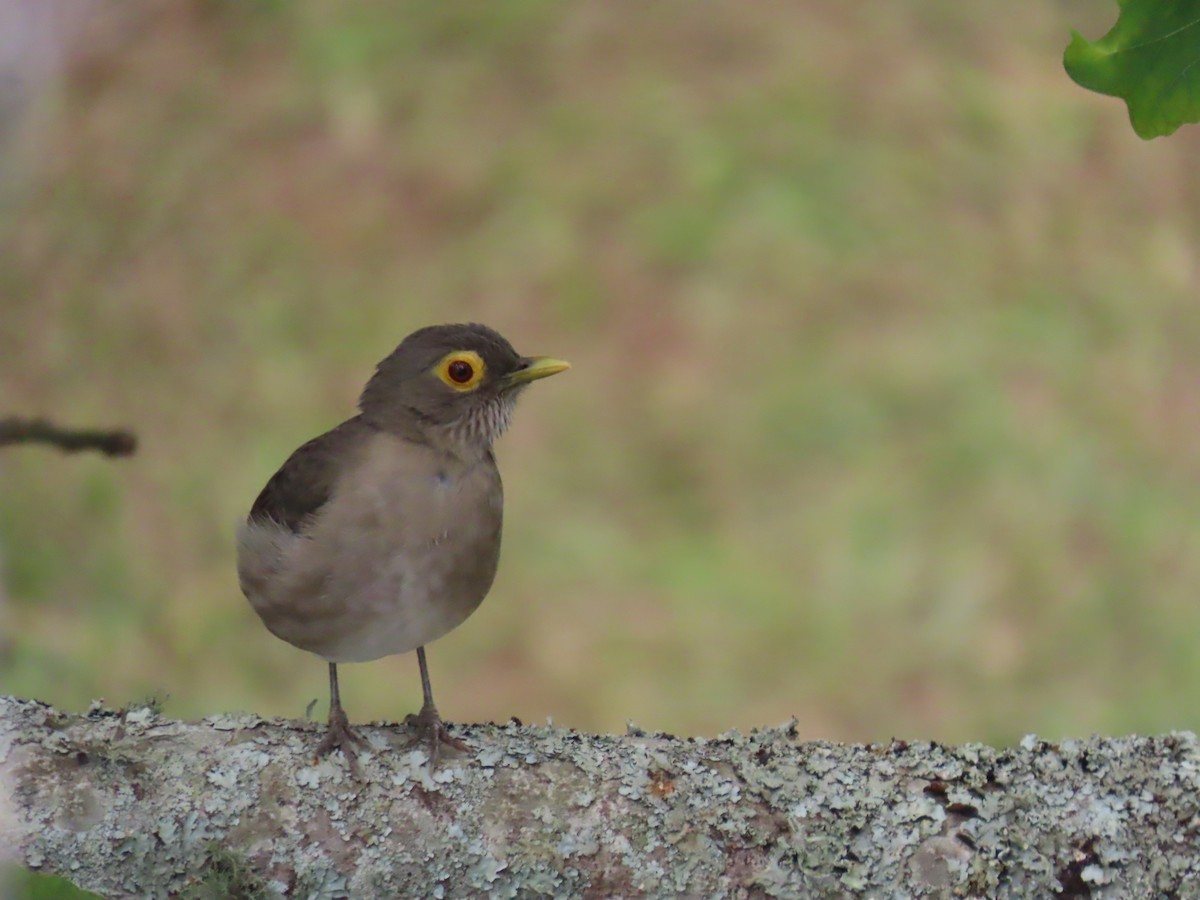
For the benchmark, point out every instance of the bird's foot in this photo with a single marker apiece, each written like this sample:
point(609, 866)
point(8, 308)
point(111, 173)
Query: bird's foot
point(340, 736)
point(432, 729)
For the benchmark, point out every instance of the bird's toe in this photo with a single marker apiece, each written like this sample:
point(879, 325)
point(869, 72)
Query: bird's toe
point(340, 736)
point(433, 732)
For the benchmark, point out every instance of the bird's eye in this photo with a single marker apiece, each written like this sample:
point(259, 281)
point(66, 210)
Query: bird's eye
point(461, 370)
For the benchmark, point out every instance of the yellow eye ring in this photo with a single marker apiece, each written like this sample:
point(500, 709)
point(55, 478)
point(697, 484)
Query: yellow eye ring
point(461, 370)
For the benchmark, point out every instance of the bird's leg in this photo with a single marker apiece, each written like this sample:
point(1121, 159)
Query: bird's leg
point(339, 736)
point(428, 720)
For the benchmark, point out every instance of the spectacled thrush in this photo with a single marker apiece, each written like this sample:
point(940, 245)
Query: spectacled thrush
point(383, 534)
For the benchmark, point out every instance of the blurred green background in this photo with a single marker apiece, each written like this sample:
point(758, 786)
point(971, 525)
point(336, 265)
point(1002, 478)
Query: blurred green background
point(885, 407)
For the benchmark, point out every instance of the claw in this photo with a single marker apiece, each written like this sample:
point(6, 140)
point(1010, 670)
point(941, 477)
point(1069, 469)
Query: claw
point(429, 725)
point(340, 736)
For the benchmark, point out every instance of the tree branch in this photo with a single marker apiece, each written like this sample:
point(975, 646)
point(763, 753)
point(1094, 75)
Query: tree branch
point(14, 430)
point(134, 804)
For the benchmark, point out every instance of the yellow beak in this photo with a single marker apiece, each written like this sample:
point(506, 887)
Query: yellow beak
point(535, 367)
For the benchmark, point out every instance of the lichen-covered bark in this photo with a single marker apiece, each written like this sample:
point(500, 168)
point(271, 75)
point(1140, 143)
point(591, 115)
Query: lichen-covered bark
point(134, 804)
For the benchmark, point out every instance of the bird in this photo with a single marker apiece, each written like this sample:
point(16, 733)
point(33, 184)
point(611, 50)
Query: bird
point(383, 534)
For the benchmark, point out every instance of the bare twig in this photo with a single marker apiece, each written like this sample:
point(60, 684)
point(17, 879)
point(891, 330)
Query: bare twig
point(14, 430)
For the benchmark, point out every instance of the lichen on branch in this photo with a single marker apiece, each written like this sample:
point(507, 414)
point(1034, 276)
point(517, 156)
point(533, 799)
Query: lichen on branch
point(133, 803)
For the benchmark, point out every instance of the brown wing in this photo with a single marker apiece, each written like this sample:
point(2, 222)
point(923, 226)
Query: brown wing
point(305, 482)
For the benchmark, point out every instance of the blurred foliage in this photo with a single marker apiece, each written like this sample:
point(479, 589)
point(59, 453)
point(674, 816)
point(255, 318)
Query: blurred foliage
point(884, 407)
point(1148, 59)
point(18, 885)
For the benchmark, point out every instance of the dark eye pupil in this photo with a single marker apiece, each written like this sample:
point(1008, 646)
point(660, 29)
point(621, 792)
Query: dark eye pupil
point(460, 372)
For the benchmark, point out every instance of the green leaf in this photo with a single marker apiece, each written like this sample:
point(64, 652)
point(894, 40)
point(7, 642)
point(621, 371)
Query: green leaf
point(1150, 59)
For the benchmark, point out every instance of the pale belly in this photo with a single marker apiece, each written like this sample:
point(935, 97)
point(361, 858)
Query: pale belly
point(380, 572)
point(357, 605)
point(412, 599)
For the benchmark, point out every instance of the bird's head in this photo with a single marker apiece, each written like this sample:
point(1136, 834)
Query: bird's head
point(454, 383)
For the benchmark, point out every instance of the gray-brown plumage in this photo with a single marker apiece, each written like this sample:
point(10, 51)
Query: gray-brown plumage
point(383, 534)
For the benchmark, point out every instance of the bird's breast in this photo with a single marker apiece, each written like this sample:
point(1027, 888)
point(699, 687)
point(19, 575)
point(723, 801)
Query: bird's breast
point(405, 549)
